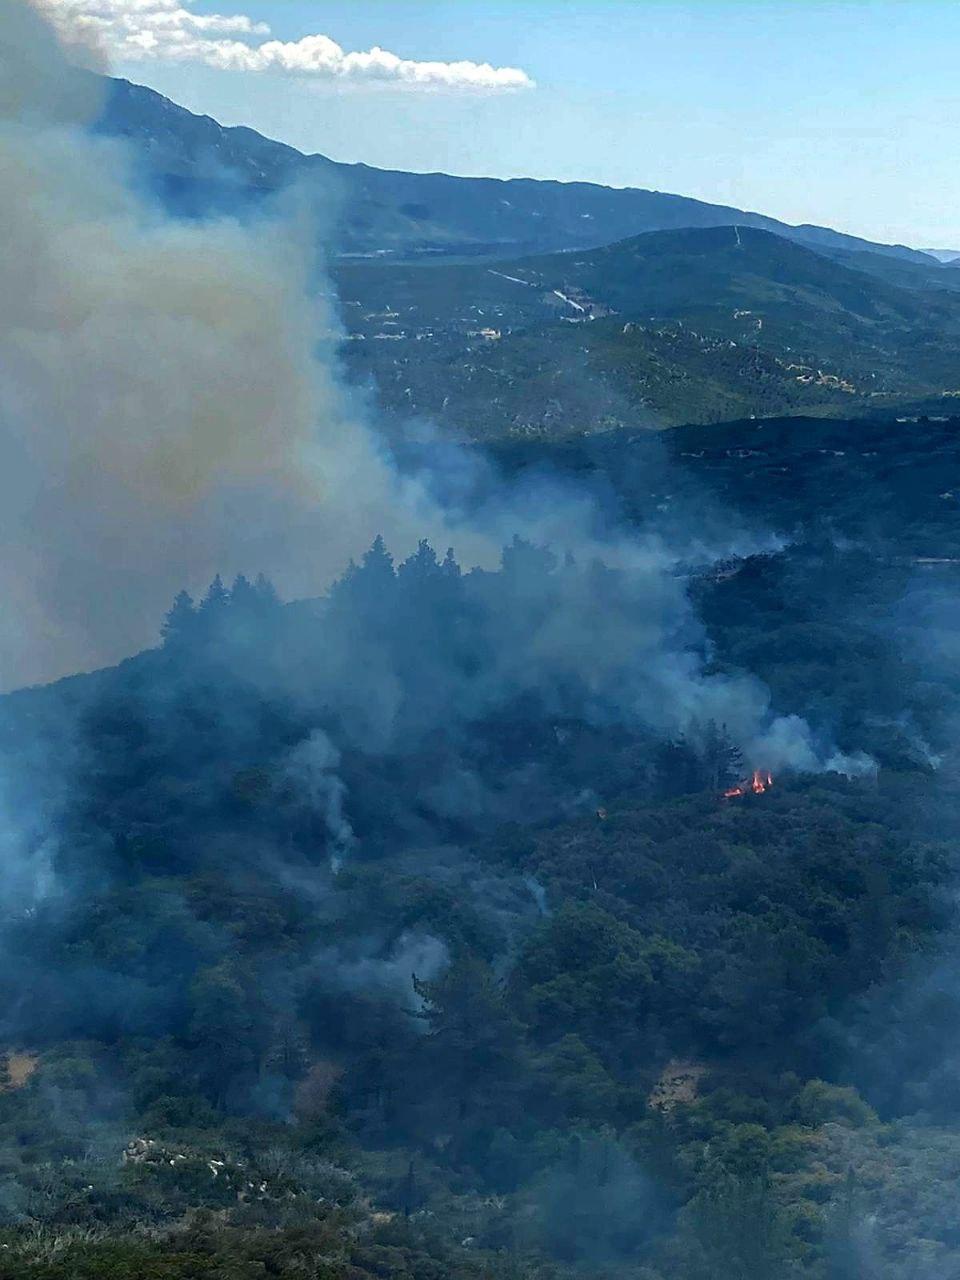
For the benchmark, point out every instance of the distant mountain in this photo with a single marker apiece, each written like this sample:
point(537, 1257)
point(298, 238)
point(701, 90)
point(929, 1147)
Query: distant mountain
point(670, 327)
point(943, 255)
point(527, 308)
point(199, 166)
point(727, 267)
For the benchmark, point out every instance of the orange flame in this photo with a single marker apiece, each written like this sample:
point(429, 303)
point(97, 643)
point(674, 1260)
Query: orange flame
point(761, 781)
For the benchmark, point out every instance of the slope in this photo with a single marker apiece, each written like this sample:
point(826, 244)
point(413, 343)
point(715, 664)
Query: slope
point(695, 325)
point(199, 166)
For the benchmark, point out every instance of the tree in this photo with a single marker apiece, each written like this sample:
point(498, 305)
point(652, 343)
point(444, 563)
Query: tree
point(709, 762)
point(366, 591)
point(524, 561)
point(421, 567)
point(737, 1228)
point(450, 568)
point(473, 1040)
point(243, 596)
point(213, 609)
point(180, 623)
point(377, 564)
point(266, 593)
point(722, 759)
point(223, 1028)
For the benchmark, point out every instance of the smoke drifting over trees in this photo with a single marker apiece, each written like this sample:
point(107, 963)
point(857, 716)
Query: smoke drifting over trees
point(385, 902)
point(171, 410)
point(169, 404)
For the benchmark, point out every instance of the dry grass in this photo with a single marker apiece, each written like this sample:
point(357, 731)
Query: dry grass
point(678, 1085)
point(20, 1067)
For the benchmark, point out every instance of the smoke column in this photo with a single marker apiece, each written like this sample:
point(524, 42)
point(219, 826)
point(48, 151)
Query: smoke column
point(170, 409)
point(167, 409)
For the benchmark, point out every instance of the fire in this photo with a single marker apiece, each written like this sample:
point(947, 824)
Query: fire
point(761, 781)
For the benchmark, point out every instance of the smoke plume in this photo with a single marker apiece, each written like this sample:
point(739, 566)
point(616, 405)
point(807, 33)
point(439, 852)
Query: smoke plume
point(170, 408)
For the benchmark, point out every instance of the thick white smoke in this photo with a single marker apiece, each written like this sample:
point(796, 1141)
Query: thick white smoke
point(170, 409)
point(167, 409)
point(312, 771)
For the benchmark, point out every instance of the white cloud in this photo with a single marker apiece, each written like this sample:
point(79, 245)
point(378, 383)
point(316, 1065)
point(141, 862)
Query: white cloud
point(167, 31)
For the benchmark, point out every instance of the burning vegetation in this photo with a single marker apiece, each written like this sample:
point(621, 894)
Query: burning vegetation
point(760, 781)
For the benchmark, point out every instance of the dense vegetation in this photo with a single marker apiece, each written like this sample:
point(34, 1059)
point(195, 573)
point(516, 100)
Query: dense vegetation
point(496, 983)
point(592, 912)
point(640, 308)
point(694, 325)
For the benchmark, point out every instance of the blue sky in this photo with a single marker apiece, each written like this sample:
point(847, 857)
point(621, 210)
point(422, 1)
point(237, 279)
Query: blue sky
point(842, 114)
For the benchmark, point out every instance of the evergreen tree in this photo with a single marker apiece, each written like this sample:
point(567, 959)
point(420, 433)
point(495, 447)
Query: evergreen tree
point(243, 596)
point(450, 568)
point(266, 594)
point(421, 567)
point(737, 1228)
point(474, 1040)
point(378, 562)
point(217, 598)
point(213, 609)
point(366, 591)
point(525, 561)
point(223, 1029)
point(246, 611)
point(721, 758)
point(180, 623)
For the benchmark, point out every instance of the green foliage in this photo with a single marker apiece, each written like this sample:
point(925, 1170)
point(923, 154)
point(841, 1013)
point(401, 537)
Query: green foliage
point(665, 1035)
point(694, 325)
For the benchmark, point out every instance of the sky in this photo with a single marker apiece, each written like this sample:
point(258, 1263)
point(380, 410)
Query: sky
point(837, 114)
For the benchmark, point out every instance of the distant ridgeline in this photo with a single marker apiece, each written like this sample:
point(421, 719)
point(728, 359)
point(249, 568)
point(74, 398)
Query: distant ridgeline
point(648, 310)
point(202, 167)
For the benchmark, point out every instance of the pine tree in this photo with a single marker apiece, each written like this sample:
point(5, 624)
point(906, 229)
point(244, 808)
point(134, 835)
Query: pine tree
point(266, 594)
point(366, 591)
point(179, 626)
point(217, 597)
point(474, 1039)
point(422, 566)
point(722, 758)
point(377, 564)
point(243, 596)
point(212, 612)
point(450, 568)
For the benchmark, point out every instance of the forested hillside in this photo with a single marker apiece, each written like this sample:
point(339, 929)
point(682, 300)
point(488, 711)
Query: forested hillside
point(665, 329)
point(639, 306)
point(376, 949)
point(577, 901)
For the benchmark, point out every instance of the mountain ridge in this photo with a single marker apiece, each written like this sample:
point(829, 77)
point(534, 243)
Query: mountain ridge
point(666, 328)
point(200, 166)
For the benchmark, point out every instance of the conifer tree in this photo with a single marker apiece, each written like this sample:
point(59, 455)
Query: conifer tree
point(179, 625)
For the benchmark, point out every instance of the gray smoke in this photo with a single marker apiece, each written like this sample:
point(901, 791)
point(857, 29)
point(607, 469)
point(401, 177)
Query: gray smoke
point(170, 408)
point(387, 976)
point(311, 770)
point(168, 404)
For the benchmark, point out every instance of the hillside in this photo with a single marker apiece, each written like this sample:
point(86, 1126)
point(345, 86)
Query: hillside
point(534, 858)
point(511, 990)
point(648, 309)
point(200, 166)
point(666, 328)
